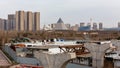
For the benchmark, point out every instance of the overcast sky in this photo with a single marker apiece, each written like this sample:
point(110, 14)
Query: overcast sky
point(71, 11)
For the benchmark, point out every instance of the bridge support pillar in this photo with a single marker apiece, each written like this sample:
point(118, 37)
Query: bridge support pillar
point(98, 62)
point(98, 52)
point(54, 60)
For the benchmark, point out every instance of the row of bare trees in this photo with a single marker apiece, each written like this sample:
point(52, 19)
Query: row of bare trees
point(6, 36)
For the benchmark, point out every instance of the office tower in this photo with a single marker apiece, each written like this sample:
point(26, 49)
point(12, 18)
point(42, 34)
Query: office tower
point(20, 19)
point(100, 26)
point(82, 24)
point(118, 24)
point(94, 26)
point(36, 19)
point(11, 22)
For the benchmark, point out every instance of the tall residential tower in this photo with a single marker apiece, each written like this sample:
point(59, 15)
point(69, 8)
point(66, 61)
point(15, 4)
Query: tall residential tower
point(100, 26)
point(20, 20)
point(94, 26)
point(36, 20)
point(118, 24)
point(11, 22)
point(27, 21)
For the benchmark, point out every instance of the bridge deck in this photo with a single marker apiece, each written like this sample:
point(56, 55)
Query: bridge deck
point(71, 46)
point(43, 47)
point(55, 46)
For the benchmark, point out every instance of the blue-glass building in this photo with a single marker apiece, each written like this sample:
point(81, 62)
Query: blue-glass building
point(84, 28)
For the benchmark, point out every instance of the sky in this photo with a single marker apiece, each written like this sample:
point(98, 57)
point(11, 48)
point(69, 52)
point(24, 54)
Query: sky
point(71, 11)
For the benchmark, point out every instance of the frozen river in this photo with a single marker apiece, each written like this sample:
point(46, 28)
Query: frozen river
point(70, 65)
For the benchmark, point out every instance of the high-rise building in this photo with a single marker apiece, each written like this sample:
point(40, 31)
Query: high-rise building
point(11, 22)
point(20, 19)
point(118, 24)
point(5, 24)
point(27, 21)
point(1, 24)
point(100, 26)
point(94, 26)
point(36, 20)
point(82, 24)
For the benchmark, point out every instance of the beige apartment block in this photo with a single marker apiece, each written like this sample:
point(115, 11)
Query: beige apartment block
point(27, 21)
point(20, 20)
point(36, 21)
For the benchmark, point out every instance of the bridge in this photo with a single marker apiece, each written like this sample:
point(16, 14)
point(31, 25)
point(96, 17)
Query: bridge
point(60, 60)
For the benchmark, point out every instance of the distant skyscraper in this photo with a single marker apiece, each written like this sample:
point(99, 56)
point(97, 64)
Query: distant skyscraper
point(36, 19)
point(118, 24)
point(20, 19)
point(1, 24)
point(82, 24)
point(100, 26)
point(5, 24)
point(11, 22)
point(27, 21)
point(94, 26)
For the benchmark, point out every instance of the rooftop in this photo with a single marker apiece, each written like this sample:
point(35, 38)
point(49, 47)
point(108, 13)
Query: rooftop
point(60, 21)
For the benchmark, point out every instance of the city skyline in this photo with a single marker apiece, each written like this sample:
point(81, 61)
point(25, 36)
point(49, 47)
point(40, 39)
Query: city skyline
point(71, 11)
